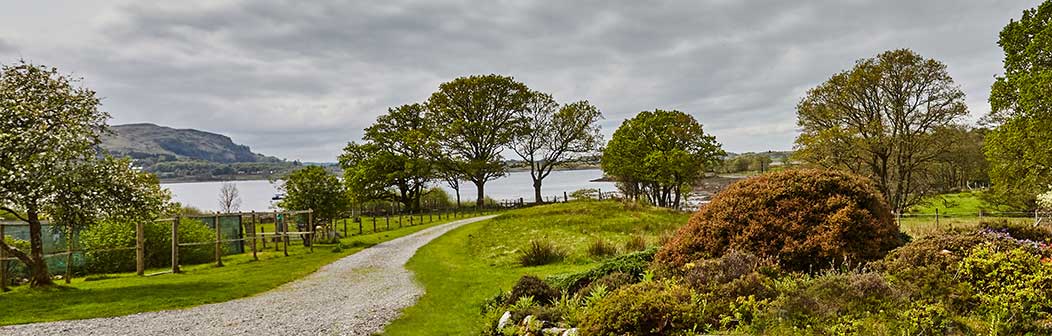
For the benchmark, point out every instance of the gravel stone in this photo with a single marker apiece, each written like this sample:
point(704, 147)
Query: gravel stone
point(356, 295)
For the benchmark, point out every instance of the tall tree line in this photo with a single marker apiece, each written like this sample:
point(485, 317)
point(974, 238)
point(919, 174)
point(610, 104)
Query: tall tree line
point(460, 133)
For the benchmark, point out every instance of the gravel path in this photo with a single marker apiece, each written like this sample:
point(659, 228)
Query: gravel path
point(356, 295)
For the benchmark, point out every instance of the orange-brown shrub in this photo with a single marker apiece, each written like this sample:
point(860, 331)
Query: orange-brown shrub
point(808, 219)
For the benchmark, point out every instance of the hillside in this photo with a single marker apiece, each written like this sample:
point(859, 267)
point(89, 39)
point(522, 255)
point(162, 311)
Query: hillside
point(182, 155)
point(145, 141)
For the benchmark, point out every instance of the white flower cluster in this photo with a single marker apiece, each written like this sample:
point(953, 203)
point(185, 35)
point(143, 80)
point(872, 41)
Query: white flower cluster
point(1044, 201)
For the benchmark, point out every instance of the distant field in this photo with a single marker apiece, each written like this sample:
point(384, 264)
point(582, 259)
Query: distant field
point(954, 211)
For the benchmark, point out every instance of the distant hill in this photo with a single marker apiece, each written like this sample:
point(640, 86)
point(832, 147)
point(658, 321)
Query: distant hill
point(145, 141)
point(180, 155)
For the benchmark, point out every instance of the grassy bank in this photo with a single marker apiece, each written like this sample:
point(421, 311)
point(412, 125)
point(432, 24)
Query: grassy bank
point(463, 268)
point(121, 294)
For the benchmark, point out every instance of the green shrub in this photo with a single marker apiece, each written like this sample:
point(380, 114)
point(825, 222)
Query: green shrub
point(825, 298)
point(601, 248)
point(610, 282)
point(585, 194)
point(1013, 288)
point(808, 219)
point(106, 236)
point(531, 286)
point(541, 252)
point(633, 264)
point(649, 308)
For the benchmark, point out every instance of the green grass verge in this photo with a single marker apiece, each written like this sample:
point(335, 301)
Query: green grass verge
point(471, 264)
point(122, 294)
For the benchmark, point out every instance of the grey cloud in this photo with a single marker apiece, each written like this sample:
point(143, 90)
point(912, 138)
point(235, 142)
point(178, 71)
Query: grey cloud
point(300, 79)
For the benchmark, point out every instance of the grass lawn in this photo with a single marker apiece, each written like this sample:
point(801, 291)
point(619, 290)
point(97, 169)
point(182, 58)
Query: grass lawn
point(122, 294)
point(463, 268)
point(955, 211)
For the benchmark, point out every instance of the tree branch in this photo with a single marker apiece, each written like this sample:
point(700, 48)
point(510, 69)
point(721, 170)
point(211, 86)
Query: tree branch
point(13, 213)
point(16, 252)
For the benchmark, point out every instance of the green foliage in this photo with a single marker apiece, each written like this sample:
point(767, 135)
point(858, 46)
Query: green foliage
point(394, 164)
point(652, 308)
point(632, 263)
point(610, 282)
point(49, 131)
point(535, 289)
point(101, 238)
point(548, 135)
point(1013, 288)
point(314, 188)
point(807, 218)
point(745, 162)
point(1020, 147)
point(659, 155)
point(474, 119)
point(541, 252)
point(857, 121)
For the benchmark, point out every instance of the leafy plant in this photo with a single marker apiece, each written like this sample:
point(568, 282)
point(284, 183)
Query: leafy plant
point(651, 308)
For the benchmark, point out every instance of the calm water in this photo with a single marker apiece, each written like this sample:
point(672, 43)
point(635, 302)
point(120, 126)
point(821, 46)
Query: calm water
point(256, 195)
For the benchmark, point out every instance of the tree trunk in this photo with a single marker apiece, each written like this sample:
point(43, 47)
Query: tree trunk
point(457, 190)
point(39, 275)
point(537, 191)
point(481, 201)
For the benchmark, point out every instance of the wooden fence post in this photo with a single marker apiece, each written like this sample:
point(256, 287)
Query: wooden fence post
point(311, 228)
point(3, 263)
point(254, 222)
point(175, 245)
point(140, 252)
point(565, 197)
point(277, 233)
point(600, 194)
point(285, 235)
point(219, 240)
point(263, 236)
point(936, 218)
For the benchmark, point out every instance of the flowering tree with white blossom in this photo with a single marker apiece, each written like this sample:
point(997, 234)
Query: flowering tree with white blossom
point(50, 168)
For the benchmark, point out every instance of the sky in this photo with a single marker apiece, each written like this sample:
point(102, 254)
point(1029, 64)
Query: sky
point(300, 79)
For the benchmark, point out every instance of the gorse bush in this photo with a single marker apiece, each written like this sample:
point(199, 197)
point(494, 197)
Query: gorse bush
point(541, 252)
point(601, 248)
point(808, 219)
point(649, 308)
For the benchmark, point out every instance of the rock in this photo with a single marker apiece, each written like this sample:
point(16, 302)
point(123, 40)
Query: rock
point(526, 321)
point(503, 322)
point(554, 331)
point(570, 332)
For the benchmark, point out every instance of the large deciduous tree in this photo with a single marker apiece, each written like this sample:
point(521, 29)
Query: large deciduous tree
point(660, 155)
point(314, 188)
point(395, 161)
point(49, 168)
point(1019, 149)
point(550, 134)
point(879, 120)
point(474, 119)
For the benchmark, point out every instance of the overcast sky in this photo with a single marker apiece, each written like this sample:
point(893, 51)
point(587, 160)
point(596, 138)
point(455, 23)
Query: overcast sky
point(299, 79)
